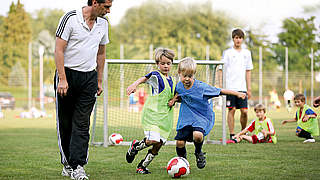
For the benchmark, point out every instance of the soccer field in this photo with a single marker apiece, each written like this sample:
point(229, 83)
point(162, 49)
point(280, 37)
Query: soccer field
point(29, 150)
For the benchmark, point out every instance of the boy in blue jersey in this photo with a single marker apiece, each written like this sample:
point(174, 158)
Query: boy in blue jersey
point(157, 116)
point(306, 120)
point(196, 116)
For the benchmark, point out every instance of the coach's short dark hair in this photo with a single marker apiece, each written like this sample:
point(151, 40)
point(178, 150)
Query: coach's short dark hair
point(300, 97)
point(99, 1)
point(237, 32)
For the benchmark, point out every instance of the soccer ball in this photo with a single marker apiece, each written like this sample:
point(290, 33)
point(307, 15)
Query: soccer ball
point(178, 167)
point(115, 139)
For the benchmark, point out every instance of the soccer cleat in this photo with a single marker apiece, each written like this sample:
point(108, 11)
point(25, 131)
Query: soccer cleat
point(79, 174)
point(132, 152)
point(143, 170)
point(231, 141)
point(201, 160)
point(309, 141)
point(66, 171)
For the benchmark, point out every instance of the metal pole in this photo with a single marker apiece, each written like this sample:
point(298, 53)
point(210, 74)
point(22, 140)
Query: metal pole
point(105, 106)
point(149, 66)
point(121, 77)
point(311, 76)
point(179, 52)
point(286, 67)
point(41, 95)
point(30, 77)
point(260, 75)
point(207, 66)
point(224, 99)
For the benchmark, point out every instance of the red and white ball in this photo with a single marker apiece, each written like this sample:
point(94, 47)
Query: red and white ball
point(178, 167)
point(115, 139)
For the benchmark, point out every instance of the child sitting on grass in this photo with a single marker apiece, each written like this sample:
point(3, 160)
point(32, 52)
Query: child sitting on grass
point(306, 119)
point(262, 127)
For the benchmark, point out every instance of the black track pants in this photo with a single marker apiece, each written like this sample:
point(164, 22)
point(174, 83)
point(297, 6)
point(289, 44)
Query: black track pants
point(73, 116)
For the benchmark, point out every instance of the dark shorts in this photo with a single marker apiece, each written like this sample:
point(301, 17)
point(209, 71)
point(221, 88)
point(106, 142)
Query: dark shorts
point(238, 103)
point(186, 133)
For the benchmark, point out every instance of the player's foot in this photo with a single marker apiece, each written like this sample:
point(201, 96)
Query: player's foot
point(231, 141)
point(201, 160)
point(79, 174)
point(143, 170)
point(132, 152)
point(309, 141)
point(66, 171)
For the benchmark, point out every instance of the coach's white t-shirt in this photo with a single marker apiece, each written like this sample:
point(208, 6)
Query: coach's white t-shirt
point(236, 64)
point(83, 43)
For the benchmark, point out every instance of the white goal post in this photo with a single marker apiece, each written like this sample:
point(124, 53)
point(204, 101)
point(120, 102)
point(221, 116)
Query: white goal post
point(114, 114)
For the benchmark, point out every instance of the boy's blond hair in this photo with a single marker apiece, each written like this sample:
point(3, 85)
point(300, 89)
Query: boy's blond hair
point(260, 107)
point(187, 64)
point(300, 97)
point(159, 52)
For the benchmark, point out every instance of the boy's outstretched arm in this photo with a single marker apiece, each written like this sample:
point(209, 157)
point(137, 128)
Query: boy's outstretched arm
point(285, 121)
point(235, 93)
point(244, 131)
point(173, 100)
point(133, 87)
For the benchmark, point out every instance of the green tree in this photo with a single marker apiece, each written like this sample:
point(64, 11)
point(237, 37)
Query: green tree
point(46, 19)
point(255, 40)
point(172, 24)
point(299, 35)
point(15, 36)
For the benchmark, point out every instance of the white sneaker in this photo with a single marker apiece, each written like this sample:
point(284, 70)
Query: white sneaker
point(79, 174)
point(309, 141)
point(66, 171)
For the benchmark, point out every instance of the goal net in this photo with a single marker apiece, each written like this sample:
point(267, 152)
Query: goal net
point(115, 112)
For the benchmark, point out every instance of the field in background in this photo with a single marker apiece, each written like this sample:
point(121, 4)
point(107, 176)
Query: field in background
point(29, 150)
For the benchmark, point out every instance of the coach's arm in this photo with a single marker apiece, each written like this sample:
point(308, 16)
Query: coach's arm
point(100, 66)
point(60, 47)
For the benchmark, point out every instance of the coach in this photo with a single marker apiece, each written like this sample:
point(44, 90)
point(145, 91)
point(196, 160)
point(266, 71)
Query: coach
point(81, 37)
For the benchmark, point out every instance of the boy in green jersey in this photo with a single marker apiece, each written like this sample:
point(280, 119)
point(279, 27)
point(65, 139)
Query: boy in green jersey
point(262, 127)
point(157, 116)
point(306, 120)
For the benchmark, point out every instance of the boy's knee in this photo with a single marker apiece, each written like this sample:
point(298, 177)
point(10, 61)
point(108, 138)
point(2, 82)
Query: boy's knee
point(180, 144)
point(153, 142)
point(244, 111)
point(232, 110)
point(197, 136)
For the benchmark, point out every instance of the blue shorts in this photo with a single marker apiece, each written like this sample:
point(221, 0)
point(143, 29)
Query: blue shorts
point(186, 133)
point(238, 103)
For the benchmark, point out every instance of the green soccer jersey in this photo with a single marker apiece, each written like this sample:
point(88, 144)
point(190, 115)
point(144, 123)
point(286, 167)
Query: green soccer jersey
point(157, 116)
point(311, 125)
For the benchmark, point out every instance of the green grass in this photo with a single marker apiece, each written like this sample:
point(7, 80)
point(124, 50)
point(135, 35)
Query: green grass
point(29, 150)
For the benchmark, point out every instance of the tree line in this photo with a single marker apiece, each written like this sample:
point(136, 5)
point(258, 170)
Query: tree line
point(171, 24)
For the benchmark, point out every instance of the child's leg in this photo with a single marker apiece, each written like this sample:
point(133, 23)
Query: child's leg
point(303, 134)
point(151, 154)
point(181, 148)
point(237, 139)
point(154, 139)
point(249, 138)
point(198, 142)
point(135, 146)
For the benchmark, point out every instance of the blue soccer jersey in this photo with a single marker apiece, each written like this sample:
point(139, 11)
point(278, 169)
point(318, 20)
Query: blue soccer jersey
point(196, 107)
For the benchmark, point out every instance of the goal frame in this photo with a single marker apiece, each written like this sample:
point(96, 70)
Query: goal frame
point(105, 143)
